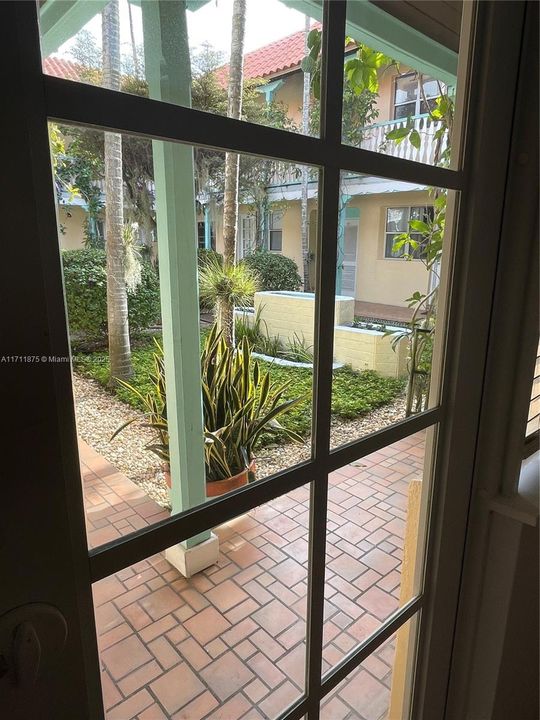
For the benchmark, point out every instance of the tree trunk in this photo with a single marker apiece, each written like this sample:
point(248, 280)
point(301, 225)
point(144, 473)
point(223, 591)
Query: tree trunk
point(136, 69)
point(117, 307)
point(225, 320)
point(305, 170)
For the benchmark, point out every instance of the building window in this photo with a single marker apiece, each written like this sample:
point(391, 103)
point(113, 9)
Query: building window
point(397, 223)
point(275, 232)
point(201, 236)
point(415, 94)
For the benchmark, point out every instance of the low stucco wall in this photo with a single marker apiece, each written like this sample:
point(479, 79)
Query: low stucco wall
point(370, 350)
point(287, 313)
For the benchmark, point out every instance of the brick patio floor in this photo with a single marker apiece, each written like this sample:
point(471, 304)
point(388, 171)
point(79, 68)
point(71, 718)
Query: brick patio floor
point(230, 642)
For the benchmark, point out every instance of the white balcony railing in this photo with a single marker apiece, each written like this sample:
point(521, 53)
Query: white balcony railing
point(375, 139)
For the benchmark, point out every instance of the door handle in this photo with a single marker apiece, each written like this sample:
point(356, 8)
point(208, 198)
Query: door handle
point(31, 636)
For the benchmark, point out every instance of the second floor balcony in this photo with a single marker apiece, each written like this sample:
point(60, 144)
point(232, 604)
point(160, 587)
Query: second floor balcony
point(375, 138)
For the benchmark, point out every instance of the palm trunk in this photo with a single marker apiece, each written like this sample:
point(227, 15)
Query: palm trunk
point(136, 69)
point(305, 171)
point(117, 307)
point(232, 160)
point(225, 320)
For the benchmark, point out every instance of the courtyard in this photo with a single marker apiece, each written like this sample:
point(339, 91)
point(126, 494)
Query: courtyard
point(230, 642)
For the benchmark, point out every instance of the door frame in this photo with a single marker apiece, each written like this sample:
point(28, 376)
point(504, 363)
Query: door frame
point(43, 414)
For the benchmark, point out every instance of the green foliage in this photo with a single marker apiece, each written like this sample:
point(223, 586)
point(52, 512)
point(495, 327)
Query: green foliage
point(255, 330)
point(231, 284)
point(353, 393)
point(274, 271)
point(85, 281)
point(204, 256)
point(298, 350)
point(154, 403)
point(240, 402)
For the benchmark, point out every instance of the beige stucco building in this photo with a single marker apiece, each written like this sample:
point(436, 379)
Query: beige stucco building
point(373, 210)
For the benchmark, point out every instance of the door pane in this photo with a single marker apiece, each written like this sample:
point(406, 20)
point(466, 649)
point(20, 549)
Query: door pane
point(379, 689)
point(124, 428)
point(375, 539)
point(150, 35)
point(228, 642)
point(389, 303)
point(396, 102)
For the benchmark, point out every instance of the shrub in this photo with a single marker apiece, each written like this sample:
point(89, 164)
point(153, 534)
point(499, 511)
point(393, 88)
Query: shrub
point(85, 281)
point(275, 272)
point(204, 258)
point(204, 255)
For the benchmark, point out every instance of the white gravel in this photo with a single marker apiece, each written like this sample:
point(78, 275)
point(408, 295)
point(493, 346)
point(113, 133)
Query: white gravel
point(100, 413)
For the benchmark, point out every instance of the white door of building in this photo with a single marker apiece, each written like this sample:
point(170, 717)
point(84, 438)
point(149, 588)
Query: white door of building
point(350, 244)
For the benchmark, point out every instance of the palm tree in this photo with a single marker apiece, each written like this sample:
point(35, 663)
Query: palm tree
point(305, 171)
point(117, 307)
point(232, 160)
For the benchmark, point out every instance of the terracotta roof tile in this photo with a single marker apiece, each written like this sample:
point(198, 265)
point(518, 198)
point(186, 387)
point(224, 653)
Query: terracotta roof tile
point(59, 67)
point(276, 58)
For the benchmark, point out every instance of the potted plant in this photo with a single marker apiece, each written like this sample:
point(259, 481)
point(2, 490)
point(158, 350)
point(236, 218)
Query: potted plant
point(240, 402)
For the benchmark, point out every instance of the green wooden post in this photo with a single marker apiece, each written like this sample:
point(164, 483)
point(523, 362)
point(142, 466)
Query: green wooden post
point(341, 241)
point(168, 73)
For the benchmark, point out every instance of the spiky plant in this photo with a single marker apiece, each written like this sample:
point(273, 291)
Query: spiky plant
point(240, 402)
point(155, 408)
point(226, 286)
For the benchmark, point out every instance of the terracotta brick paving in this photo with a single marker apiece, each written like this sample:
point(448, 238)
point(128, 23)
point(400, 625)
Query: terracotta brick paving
point(230, 642)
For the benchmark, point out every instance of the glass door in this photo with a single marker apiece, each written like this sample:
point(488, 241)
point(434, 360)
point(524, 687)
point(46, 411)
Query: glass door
point(280, 571)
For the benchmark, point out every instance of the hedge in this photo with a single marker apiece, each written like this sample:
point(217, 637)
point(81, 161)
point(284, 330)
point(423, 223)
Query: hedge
point(85, 281)
point(275, 272)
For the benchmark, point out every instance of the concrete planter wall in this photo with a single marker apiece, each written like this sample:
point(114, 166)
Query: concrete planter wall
point(287, 313)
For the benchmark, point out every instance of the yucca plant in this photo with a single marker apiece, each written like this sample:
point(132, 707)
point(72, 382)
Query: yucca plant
point(155, 408)
point(240, 402)
point(226, 286)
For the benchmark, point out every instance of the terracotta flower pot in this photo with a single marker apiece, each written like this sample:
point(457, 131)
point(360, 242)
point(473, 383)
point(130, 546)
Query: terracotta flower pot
point(220, 487)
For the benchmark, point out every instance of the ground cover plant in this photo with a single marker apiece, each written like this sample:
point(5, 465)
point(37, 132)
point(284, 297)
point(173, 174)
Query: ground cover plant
point(354, 393)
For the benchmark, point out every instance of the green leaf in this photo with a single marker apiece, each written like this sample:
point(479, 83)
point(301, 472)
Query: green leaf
point(397, 135)
point(308, 64)
point(414, 138)
point(419, 226)
point(314, 38)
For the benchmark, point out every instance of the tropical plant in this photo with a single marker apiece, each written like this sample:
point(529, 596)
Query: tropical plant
point(240, 402)
point(230, 197)
point(297, 349)
point(117, 302)
point(85, 283)
point(154, 403)
point(274, 271)
point(362, 75)
point(224, 286)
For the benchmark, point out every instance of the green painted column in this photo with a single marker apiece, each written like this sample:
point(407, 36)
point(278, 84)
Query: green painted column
point(344, 199)
point(168, 73)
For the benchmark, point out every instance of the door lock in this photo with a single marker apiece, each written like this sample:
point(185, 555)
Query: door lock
point(31, 636)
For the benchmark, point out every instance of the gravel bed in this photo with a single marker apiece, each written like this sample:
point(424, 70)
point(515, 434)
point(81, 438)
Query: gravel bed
point(99, 414)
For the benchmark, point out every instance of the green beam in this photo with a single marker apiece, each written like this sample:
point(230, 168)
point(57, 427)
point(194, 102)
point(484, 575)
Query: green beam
point(169, 79)
point(60, 20)
point(376, 28)
point(344, 199)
